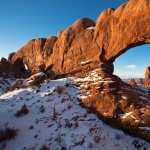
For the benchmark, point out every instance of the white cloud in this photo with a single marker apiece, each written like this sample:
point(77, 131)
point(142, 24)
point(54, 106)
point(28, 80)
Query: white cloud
point(131, 66)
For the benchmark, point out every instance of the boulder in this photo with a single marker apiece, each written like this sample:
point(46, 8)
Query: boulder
point(33, 80)
point(16, 69)
point(5, 66)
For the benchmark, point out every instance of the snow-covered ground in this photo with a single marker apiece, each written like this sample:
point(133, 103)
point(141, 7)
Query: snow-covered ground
point(56, 121)
point(5, 84)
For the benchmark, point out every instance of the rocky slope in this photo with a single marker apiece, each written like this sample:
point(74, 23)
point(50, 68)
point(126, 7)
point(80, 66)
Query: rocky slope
point(86, 45)
point(5, 84)
point(49, 117)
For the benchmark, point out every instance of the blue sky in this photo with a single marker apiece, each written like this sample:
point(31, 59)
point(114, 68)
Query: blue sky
point(22, 20)
point(133, 62)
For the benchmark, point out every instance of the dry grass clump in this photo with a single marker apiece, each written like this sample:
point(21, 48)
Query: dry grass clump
point(7, 134)
point(60, 89)
point(23, 111)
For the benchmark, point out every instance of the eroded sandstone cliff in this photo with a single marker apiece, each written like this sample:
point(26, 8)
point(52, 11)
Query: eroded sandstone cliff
point(71, 51)
point(86, 42)
point(86, 45)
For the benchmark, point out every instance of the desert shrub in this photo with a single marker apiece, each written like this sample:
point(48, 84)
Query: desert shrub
point(60, 89)
point(45, 147)
point(137, 144)
point(55, 114)
point(7, 134)
point(23, 111)
point(42, 109)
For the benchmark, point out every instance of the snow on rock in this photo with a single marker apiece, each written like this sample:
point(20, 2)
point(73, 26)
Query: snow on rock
point(145, 128)
point(56, 121)
point(90, 28)
point(85, 62)
point(127, 114)
point(31, 81)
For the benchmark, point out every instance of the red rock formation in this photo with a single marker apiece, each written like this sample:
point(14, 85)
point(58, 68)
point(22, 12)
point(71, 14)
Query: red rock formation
point(86, 45)
point(71, 51)
point(33, 54)
point(120, 105)
point(136, 82)
point(8, 69)
point(115, 32)
point(132, 82)
point(5, 66)
point(73, 48)
point(118, 30)
point(33, 80)
point(140, 81)
point(147, 78)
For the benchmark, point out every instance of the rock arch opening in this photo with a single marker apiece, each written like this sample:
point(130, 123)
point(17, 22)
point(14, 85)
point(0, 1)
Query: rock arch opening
point(133, 63)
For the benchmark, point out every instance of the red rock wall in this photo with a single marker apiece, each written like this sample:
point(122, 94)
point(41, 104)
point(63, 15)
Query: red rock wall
point(114, 32)
point(147, 78)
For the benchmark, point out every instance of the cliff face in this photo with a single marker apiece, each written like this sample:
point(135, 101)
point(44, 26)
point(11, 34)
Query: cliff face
point(86, 42)
point(73, 48)
point(127, 26)
point(35, 53)
point(147, 78)
point(70, 51)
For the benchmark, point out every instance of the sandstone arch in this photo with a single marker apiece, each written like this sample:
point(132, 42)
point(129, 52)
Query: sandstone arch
point(114, 32)
point(99, 44)
point(119, 30)
point(133, 62)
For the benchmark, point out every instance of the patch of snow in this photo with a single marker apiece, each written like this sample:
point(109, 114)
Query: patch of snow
point(85, 62)
point(126, 115)
point(40, 74)
point(145, 128)
point(90, 28)
point(57, 121)
point(26, 67)
point(124, 97)
point(144, 98)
